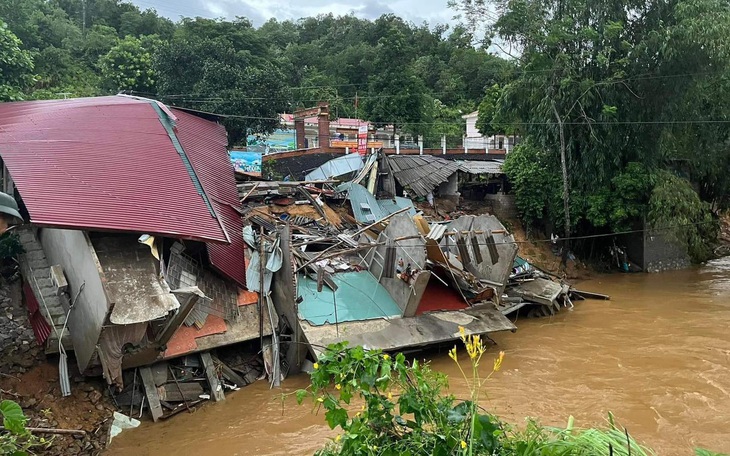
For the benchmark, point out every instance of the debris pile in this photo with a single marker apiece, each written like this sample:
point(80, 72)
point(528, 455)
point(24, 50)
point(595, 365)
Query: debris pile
point(354, 261)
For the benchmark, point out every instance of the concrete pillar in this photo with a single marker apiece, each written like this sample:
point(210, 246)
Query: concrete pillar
point(443, 145)
point(299, 133)
point(420, 144)
point(347, 151)
point(466, 147)
point(397, 144)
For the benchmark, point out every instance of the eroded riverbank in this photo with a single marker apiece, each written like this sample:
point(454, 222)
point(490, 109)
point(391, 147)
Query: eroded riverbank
point(657, 355)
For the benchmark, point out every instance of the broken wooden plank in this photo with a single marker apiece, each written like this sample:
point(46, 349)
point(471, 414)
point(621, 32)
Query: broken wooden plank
point(229, 374)
point(590, 295)
point(150, 390)
point(192, 295)
point(171, 392)
point(216, 389)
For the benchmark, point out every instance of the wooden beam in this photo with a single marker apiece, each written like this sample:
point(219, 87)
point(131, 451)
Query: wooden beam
point(216, 389)
point(150, 391)
point(176, 320)
point(230, 374)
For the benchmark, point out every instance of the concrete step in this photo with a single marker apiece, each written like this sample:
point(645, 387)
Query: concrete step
point(52, 343)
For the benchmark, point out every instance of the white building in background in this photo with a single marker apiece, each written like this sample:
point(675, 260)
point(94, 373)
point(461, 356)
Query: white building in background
point(475, 140)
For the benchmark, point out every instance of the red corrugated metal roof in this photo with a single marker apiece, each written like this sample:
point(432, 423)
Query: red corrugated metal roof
point(104, 163)
point(205, 144)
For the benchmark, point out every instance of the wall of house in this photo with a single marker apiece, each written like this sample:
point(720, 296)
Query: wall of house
point(471, 128)
point(72, 249)
point(450, 187)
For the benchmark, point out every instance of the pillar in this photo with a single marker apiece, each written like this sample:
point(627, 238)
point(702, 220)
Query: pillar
point(299, 133)
point(420, 144)
point(397, 144)
point(443, 145)
point(323, 125)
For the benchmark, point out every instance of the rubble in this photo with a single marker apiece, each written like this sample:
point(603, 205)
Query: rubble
point(382, 273)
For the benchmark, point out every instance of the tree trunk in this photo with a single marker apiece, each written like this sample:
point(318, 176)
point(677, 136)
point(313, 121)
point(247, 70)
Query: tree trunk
point(566, 192)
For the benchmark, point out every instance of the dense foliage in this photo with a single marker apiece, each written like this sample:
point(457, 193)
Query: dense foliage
point(626, 91)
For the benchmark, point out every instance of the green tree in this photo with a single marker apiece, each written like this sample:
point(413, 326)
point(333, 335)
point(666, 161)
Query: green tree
point(128, 65)
point(604, 84)
point(213, 75)
point(16, 66)
point(395, 94)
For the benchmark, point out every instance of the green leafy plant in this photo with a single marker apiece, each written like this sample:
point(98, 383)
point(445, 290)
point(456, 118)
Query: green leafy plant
point(10, 246)
point(16, 439)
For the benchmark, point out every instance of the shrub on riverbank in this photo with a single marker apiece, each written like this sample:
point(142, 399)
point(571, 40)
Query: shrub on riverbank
point(405, 412)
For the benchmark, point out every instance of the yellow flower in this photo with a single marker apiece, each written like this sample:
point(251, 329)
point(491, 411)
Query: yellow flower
point(452, 354)
point(362, 408)
point(463, 445)
point(338, 386)
point(316, 365)
point(386, 357)
point(338, 438)
point(357, 414)
point(498, 361)
point(320, 399)
point(462, 331)
point(390, 395)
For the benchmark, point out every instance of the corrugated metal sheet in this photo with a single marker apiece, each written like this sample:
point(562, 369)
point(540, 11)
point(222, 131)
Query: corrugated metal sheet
point(41, 328)
point(367, 209)
point(336, 167)
point(104, 163)
point(480, 167)
point(421, 173)
point(358, 297)
point(206, 145)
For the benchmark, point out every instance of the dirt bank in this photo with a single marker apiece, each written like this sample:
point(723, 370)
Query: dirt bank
point(30, 378)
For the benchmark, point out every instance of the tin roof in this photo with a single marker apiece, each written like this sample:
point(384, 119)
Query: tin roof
point(205, 143)
point(336, 167)
point(421, 173)
point(105, 163)
point(480, 166)
point(368, 209)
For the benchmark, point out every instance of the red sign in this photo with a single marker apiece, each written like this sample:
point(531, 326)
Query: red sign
point(362, 140)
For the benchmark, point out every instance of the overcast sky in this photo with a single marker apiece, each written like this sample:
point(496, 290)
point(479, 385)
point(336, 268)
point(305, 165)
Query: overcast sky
point(259, 11)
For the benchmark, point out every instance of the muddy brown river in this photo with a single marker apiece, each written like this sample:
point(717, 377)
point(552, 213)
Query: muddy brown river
point(657, 355)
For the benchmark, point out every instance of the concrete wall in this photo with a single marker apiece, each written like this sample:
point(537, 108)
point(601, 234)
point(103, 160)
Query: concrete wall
point(661, 254)
point(450, 187)
point(503, 206)
point(73, 251)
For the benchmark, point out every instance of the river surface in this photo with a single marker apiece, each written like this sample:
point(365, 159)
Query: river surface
point(657, 355)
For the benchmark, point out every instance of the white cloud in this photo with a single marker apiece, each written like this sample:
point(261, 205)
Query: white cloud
point(258, 11)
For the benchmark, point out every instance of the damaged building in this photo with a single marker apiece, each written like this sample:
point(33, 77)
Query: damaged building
point(134, 247)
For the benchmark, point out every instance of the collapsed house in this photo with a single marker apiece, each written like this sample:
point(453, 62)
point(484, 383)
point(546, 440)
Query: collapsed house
point(356, 262)
point(134, 250)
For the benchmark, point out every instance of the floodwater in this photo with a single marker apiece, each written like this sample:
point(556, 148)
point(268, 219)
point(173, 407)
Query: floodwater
point(657, 355)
